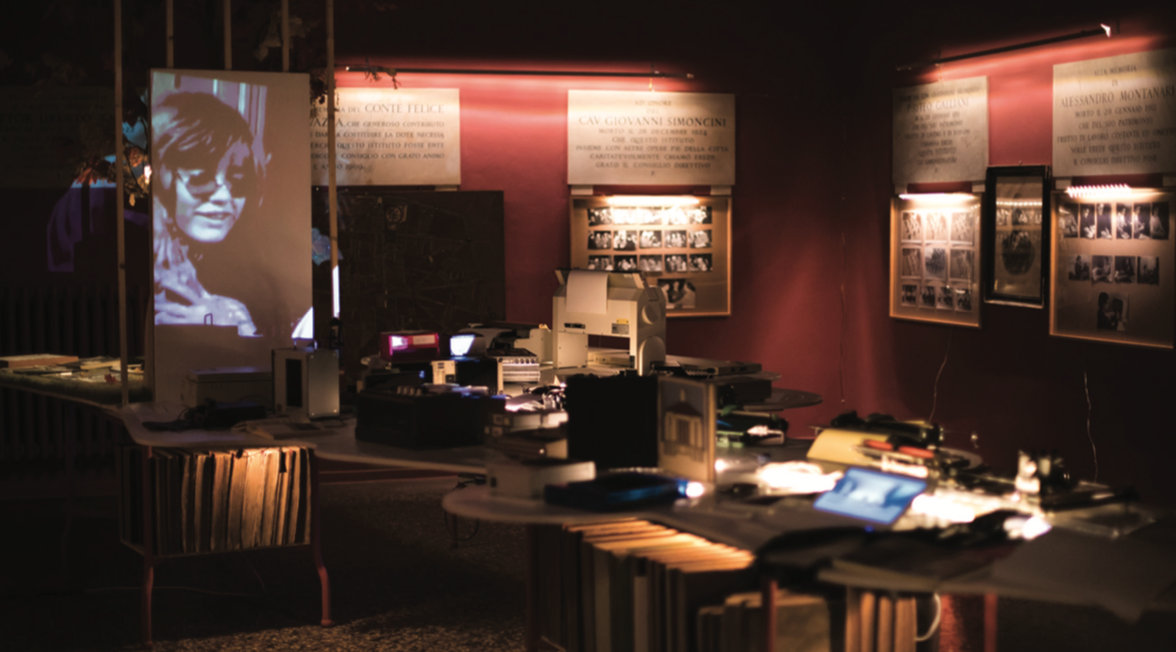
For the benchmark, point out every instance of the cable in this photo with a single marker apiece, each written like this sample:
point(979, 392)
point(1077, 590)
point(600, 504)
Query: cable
point(935, 389)
point(934, 623)
point(462, 483)
point(1086, 386)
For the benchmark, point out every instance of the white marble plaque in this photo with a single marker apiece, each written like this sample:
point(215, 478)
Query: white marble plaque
point(387, 137)
point(941, 132)
point(638, 137)
point(1115, 115)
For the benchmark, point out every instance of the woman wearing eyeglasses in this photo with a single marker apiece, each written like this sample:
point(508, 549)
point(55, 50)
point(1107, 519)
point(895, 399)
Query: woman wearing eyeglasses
point(211, 171)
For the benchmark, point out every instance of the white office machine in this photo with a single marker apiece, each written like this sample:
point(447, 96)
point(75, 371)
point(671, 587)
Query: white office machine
point(611, 304)
point(306, 382)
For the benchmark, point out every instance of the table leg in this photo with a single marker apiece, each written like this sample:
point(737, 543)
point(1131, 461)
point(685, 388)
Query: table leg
point(69, 435)
point(990, 604)
point(148, 549)
point(316, 538)
point(531, 637)
point(885, 623)
point(868, 621)
point(853, 620)
point(768, 587)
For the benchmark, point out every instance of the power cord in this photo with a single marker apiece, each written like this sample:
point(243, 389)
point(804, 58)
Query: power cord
point(934, 623)
point(451, 520)
point(1089, 409)
point(935, 390)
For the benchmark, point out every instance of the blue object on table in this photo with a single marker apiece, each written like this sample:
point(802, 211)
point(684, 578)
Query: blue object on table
point(616, 491)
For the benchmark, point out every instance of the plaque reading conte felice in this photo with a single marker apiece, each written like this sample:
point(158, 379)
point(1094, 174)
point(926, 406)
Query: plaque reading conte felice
point(390, 137)
point(641, 137)
point(941, 132)
point(1115, 115)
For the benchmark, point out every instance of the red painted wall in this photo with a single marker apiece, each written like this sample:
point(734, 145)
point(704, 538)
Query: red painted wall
point(811, 204)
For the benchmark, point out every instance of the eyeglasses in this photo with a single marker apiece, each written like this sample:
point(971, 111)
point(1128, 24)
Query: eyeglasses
point(239, 181)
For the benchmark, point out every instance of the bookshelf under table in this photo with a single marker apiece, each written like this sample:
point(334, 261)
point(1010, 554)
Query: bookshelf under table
point(341, 445)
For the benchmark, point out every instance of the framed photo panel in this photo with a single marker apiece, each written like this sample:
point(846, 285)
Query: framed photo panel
point(1112, 274)
point(935, 249)
point(1016, 200)
point(681, 243)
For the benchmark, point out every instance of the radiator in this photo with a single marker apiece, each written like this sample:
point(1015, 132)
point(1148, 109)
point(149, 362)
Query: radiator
point(71, 320)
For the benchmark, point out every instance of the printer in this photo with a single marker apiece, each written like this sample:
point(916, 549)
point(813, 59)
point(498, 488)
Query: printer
point(612, 304)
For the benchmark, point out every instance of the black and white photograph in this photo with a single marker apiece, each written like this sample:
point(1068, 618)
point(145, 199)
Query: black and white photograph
point(651, 239)
point(1149, 270)
point(1068, 220)
point(1018, 253)
point(935, 227)
point(1103, 218)
point(699, 214)
point(963, 228)
point(910, 295)
point(1087, 222)
point(935, 263)
point(911, 262)
point(927, 297)
point(1159, 221)
point(1124, 269)
point(600, 263)
point(1003, 215)
point(1141, 222)
point(1111, 313)
point(1123, 222)
point(1078, 267)
point(1034, 216)
point(598, 240)
point(963, 298)
point(912, 226)
point(700, 262)
point(652, 264)
point(700, 239)
point(679, 293)
point(599, 216)
point(676, 240)
point(625, 241)
point(1021, 216)
point(677, 264)
point(1101, 269)
point(944, 298)
point(625, 263)
point(962, 265)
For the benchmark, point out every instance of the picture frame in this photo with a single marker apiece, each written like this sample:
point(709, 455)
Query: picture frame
point(1016, 235)
point(1119, 289)
point(935, 252)
point(681, 243)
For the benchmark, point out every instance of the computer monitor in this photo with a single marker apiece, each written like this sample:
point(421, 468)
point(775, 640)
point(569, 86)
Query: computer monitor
point(872, 496)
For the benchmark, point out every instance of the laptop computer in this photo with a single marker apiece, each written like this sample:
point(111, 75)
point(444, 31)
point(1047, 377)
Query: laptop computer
point(873, 496)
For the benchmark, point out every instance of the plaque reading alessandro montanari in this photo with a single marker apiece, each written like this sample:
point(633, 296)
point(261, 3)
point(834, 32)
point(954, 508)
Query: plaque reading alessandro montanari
point(941, 132)
point(1115, 115)
point(627, 137)
point(387, 137)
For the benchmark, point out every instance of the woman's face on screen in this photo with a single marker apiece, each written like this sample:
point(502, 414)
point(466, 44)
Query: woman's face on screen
point(209, 200)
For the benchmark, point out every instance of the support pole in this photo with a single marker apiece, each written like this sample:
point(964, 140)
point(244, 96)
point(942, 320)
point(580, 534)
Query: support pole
point(332, 190)
point(120, 228)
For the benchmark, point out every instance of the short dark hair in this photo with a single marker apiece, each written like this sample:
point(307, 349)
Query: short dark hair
point(190, 129)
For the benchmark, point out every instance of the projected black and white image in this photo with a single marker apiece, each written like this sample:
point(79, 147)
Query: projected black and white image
point(231, 237)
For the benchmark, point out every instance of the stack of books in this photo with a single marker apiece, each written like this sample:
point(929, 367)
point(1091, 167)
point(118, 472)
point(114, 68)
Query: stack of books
point(215, 501)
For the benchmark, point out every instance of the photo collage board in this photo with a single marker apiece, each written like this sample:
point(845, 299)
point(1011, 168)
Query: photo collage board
point(1112, 274)
point(935, 259)
point(680, 244)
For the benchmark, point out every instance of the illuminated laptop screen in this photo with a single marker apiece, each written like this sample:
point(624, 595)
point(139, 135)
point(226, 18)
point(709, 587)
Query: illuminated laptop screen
point(871, 495)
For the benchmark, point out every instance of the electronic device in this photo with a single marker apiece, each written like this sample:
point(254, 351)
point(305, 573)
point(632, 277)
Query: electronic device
point(306, 382)
point(616, 491)
point(424, 417)
point(406, 346)
point(228, 384)
point(517, 365)
point(611, 304)
point(873, 496)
